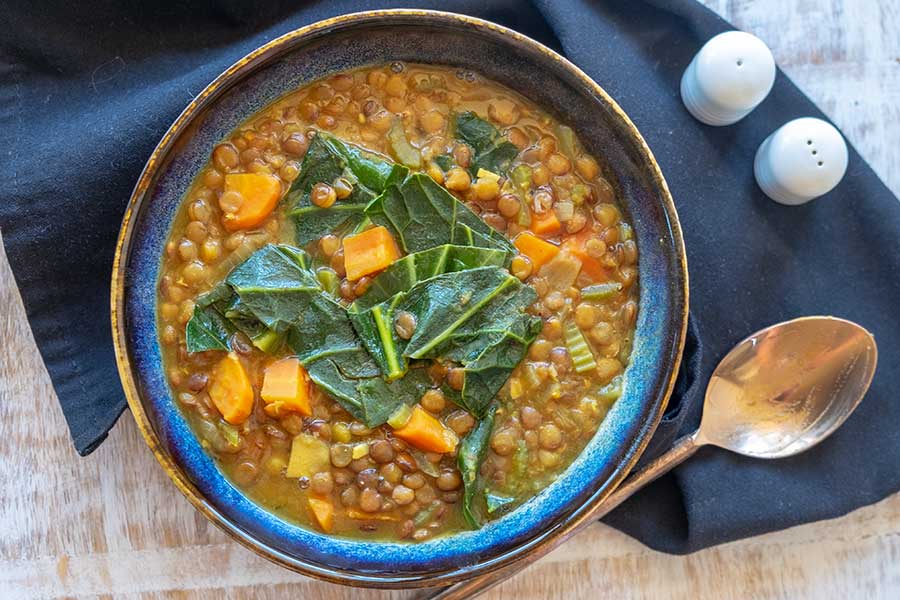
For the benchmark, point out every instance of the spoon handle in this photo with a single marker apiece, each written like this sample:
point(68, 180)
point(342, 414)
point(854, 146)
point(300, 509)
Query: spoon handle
point(683, 449)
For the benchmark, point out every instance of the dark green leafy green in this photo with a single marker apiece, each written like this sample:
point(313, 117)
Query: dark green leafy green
point(319, 332)
point(373, 313)
point(475, 318)
point(422, 215)
point(455, 309)
point(375, 327)
point(272, 284)
point(491, 366)
point(381, 398)
point(327, 160)
point(413, 268)
point(471, 453)
point(264, 338)
point(491, 151)
point(208, 328)
point(218, 314)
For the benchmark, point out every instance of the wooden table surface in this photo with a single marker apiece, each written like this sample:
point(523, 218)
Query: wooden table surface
point(113, 525)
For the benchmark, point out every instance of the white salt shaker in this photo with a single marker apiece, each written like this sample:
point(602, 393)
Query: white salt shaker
point(730, 75)
point(802, 160)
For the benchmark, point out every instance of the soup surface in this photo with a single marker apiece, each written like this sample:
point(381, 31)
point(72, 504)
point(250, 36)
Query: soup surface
point(398, 302)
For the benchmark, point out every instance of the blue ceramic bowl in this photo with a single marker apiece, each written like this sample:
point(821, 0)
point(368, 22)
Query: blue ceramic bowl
point(343, 43)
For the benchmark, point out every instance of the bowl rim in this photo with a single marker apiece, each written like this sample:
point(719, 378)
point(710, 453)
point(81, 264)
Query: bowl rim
point(552, 536)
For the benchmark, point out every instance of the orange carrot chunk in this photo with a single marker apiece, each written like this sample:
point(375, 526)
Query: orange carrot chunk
point(257, 196)
point(590, 265)
point(427, 433)
point(322, 510)
point(286, 388)
point(539, 251)
point(369, 252)
point(230, 391)
point(545, 223)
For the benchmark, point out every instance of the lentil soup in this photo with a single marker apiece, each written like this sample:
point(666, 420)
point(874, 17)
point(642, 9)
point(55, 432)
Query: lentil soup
point(398, 302)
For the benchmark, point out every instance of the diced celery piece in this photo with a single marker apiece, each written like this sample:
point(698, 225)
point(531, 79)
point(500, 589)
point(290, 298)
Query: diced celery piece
point(521, 176)
point(524, 217)
point(610, 392)
point(329, 280)
point(230, 433)
point(579, 351)
point(580, 193)
point(568, 143)
point(565, 210)
point(400, 417)
point(268, 342)
point(403, 151)
point(601, 291)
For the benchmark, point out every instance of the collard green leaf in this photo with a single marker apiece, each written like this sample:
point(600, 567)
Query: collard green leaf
point(313, 222)
point(471, 453)
point(375, 327)
point(218, 314)
point(272, 284)
point(486, 373)
point(335, 359)
point(404, 273)
point(454, 309)
point(423, 215)
point(208, 328)
point(327, 160)
point(373, 314)
point(475, 318)
point(381, 398)
point(322, 337)
point(491, 150)
point(264, 338)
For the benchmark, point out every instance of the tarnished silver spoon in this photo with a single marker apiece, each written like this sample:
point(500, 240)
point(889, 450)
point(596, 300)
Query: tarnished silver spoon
point(779, 392)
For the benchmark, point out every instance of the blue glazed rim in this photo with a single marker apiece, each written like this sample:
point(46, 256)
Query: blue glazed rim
point(356, 40)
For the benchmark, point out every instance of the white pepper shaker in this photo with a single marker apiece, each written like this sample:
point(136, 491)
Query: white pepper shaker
point(802, 160)
point(730, 75)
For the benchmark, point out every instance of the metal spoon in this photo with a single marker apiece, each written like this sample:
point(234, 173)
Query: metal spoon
point(779, 392)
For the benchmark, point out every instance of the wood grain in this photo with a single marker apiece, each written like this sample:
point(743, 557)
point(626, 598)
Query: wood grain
point(113, 525)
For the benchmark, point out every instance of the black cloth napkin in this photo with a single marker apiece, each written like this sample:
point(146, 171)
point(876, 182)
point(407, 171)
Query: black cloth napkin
point(88, 88)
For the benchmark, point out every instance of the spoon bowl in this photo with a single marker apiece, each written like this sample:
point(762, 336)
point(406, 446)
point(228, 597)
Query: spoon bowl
point(787, 387)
